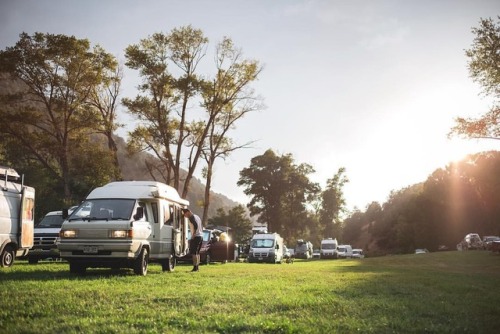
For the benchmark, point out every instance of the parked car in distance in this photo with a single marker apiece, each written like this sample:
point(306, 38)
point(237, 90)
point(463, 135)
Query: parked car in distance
point(473, 241)
point(421, 251)
point(344, 251)
point(316, 254)
point(358, 253)
point(45, 236)
point(489, 240)
point(216, 247)
point(286, 252)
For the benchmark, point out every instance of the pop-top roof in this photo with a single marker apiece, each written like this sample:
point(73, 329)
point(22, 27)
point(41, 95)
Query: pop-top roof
point(137, 190)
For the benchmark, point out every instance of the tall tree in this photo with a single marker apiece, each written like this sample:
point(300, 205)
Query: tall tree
point(171, 127)
point(229, 97)
point(484, 68)
point(104, 98)
point(333, 204)
point(279, 190)
point(50, 114)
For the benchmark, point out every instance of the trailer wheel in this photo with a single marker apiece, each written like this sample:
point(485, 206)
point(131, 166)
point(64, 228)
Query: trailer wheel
point(8, 256)
point(77, 268)
point(141, 263)
point(168, 264)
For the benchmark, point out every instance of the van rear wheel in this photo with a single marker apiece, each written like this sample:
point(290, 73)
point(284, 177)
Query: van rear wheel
point(141, 263)
point(8, 255)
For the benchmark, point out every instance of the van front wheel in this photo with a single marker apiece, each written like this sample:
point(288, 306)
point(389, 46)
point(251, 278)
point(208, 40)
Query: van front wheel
point(141, 263)
point(8, 255)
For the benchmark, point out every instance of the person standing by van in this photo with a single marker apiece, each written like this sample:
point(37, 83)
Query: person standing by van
point(196, 237)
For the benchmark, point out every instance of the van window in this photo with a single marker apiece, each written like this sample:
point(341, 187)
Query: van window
point(262, 243)
point(104, 209)
point(154, 207)
point(146, 216)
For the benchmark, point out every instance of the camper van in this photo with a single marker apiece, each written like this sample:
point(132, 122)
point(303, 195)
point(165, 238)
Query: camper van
point(344, 251)
point(126, 224)
point(266, 247)
point(328, 248)
point(303, 249)
point(17, 212)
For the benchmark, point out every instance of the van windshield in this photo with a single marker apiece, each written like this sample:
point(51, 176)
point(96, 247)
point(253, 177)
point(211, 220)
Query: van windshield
point(328, 246)
point(51, 221)
point(105, 209)
point(262, 243)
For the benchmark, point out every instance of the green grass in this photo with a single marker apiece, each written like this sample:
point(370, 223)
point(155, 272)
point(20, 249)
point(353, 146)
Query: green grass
point(447, 292)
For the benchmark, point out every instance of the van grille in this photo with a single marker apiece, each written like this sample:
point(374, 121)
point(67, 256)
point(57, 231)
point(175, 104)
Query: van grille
point(48, 239)
point(259, 255)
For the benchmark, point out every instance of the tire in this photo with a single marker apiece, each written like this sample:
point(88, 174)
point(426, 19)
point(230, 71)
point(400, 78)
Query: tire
point(77, 268)
point(141, 263)
point(32, 260)
point(168, 264)
point(207, 259)
point(7, 257)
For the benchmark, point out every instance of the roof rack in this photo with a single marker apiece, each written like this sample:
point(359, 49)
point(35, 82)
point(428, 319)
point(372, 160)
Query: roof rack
point(6, 172)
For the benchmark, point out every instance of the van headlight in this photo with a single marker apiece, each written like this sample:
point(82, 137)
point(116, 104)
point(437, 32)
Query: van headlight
point(120, 234)
point(68, 233)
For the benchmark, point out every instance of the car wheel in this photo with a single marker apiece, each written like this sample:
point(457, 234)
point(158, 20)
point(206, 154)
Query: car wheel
point(8, 256)
point(141, 263)
point(168, 264)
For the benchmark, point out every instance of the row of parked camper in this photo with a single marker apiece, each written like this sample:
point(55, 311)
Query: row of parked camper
point(330, 249)
point(123, 224)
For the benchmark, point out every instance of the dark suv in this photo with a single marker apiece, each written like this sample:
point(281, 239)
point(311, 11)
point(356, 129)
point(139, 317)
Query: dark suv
point(215, 248)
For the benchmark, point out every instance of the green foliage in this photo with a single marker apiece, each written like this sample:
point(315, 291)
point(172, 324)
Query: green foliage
point(47, 110)
point(236, 219)
point(460, 199)
point(484, 68)
point(332, 205)
point(446, 292)
point(280, 191)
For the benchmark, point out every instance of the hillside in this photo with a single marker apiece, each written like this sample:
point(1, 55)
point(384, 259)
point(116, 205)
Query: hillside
point(134, 169)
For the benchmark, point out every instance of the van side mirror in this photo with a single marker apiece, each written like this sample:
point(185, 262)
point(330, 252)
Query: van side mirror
point(277, 246)
point(65, 213)
point(139, 213)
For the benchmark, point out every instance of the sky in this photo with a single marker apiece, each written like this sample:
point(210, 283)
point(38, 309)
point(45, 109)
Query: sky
point(373, 86)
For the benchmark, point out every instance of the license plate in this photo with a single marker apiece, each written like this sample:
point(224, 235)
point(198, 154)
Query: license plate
point(90, 249)
point(260, 258)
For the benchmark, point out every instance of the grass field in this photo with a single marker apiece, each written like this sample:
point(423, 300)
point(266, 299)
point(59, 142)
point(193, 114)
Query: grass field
point(447, 292)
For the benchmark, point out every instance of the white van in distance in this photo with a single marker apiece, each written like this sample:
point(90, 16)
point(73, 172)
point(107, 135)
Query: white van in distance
point(344, 251)
point(17, 212)
point(328, 248)
point(266, 247)
point(126, 224)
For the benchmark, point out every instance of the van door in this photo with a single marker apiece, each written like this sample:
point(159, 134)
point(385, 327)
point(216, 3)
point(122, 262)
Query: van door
point(27, 218)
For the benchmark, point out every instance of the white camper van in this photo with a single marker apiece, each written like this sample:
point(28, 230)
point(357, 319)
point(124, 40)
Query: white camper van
point(329, 248)
point(126, 224)
point(266, 247)
point(17, 211)
point(344, 251)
